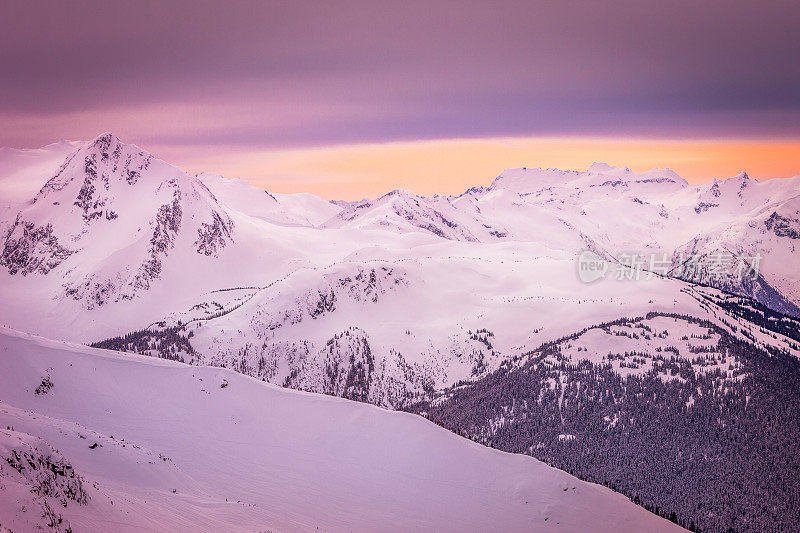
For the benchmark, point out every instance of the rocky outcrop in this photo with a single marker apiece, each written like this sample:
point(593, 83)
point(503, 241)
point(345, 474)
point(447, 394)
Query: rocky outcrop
point(30, 249)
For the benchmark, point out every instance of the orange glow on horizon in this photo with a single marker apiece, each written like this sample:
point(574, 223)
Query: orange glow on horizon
point(451, 166)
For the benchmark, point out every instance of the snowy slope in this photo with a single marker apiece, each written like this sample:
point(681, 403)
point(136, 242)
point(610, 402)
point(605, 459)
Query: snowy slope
point(22, 174)
point(670, 410)
point(127, 443)
point(300, 209)
point(24, 171)
point(381, 331)
point(385, 328)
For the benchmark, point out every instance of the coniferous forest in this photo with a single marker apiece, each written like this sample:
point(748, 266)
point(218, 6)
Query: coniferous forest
point(711, 451)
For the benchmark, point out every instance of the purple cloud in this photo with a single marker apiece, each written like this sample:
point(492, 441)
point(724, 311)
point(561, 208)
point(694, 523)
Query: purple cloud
point(309, 73)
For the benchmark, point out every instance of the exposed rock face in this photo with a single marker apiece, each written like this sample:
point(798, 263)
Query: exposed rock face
point(783, 226)
point(167, 224)
point(30, 249)
point(105, 160)
point(47, 479)
point(211, 237)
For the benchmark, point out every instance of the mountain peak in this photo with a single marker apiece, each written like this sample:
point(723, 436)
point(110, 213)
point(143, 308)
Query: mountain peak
point(104, 141)
point(600, 167)
point(400, 193)
point(101, 162)
point(106, 136)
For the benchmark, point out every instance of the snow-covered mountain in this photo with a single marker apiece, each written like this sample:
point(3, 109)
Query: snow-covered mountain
point(121, 245)
point(424, 304)
point(380, 300)
point(96, 440)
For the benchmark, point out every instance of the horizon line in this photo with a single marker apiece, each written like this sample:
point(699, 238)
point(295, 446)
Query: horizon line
point(450, 166)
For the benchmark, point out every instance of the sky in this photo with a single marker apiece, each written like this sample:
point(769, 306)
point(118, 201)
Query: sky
point(351, 99)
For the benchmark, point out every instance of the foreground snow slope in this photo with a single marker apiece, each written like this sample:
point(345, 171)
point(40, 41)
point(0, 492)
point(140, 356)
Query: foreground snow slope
point(182, 448)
